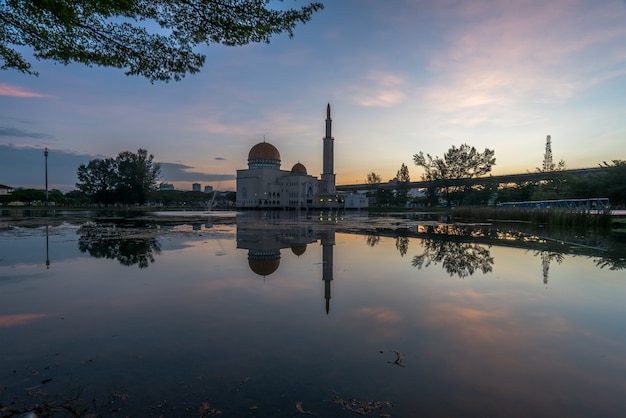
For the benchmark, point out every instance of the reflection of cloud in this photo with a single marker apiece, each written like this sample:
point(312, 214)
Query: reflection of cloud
point(14, 91)
point(383, 321)
point(379, 315)
point(19, 319)
point(509, 342)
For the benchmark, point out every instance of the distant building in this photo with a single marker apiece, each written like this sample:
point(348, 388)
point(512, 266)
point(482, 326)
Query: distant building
point(208, 189)
point(196, 187)
point(166, 186)
point(265, 185)
point(355, 201)
point(5, 189)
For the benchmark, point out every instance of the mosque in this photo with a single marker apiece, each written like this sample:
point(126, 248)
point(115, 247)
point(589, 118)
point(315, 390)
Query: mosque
point(263, 185)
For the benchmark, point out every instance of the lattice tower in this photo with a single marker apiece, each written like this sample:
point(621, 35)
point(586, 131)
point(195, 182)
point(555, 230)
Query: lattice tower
point(548, 165)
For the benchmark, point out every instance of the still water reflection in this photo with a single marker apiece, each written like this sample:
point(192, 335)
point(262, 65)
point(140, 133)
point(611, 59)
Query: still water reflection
point(251, 315)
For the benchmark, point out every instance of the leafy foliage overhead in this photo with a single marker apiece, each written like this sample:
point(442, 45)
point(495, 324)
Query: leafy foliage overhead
point(114, 33)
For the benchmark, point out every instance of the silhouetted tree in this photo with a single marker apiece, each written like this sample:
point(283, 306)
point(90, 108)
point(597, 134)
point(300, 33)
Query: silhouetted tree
point(137, 175)
point(98, 179)
point(403, 179)
point(129, 178)
point(456, 165)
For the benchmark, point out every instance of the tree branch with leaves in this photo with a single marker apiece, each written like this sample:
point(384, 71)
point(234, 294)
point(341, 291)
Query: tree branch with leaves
point(114, 33)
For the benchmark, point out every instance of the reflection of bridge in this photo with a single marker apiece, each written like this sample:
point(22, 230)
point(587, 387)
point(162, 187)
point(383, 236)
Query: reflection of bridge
point(578, 204)
point(502, 179)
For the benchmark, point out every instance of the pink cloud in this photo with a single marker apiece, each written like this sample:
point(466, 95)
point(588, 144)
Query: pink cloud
point(14, 91)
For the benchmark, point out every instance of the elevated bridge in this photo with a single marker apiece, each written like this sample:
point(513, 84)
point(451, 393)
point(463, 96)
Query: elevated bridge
point(501, 179)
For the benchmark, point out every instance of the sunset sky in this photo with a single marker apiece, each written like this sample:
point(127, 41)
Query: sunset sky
point(401, 76)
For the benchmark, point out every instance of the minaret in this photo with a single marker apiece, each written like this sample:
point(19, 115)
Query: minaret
point(328, 175)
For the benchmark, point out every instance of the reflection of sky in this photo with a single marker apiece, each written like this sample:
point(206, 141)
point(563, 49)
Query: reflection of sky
point(500, 343)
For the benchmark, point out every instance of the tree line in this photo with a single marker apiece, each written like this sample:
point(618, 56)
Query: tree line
point(466, 162)
point(128, 179)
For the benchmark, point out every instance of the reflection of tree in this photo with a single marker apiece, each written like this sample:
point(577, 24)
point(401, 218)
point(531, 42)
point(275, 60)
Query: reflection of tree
point(372, 240)
point(112, 244)
point(461, 258)
point(546, 258)
point(612, 261)
point(402, 244)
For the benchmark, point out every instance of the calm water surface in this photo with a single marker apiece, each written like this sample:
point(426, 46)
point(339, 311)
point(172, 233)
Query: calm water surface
point(261, 317)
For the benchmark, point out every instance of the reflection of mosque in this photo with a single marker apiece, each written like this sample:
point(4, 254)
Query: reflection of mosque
point(264, 242)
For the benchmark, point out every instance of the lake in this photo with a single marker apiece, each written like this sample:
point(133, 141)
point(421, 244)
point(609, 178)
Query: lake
point(328, 315)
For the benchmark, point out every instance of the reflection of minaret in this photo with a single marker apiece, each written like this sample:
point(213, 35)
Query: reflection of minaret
point(47, 252)
point(328, 176)
point(545, 263)
point(328, 240)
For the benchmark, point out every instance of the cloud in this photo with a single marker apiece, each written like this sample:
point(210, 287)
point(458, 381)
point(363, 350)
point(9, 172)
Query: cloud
point(14, 91)
point(502, 56)
point(19, 133)
point(171, 172)
point(23, 166)
point(220, 158)
point(379, 89)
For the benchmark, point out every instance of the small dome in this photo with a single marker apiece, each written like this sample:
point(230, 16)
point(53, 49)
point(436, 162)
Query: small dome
point(298, 168)
point(263, 151)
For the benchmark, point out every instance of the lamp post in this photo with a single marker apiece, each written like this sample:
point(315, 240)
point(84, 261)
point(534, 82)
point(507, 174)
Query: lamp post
point(45, 153)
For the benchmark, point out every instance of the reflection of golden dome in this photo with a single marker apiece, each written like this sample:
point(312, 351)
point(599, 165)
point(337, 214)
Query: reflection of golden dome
point(264, 151)
point(263, 267)
point(298, 249)
point(298, 168)
point(263, 262)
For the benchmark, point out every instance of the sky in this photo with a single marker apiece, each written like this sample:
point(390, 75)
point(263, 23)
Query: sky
point(401, 77)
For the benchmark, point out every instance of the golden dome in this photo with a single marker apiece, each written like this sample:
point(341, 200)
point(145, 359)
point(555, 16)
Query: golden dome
point(263, 151)
point(298, 168)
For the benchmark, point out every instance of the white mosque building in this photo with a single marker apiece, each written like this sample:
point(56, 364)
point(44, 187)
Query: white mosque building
point(263, 185)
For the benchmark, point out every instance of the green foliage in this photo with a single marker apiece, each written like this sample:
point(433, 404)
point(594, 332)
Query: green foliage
point(460, 163)
point(129, 178)
point(114, 33)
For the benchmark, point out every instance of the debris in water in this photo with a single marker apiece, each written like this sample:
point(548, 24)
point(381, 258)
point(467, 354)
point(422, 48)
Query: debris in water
point(399, 361)
point(206, 410)
point(363, 407)
point(301, 410)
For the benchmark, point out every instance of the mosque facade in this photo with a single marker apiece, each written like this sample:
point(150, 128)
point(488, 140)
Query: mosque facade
point(264, 185)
